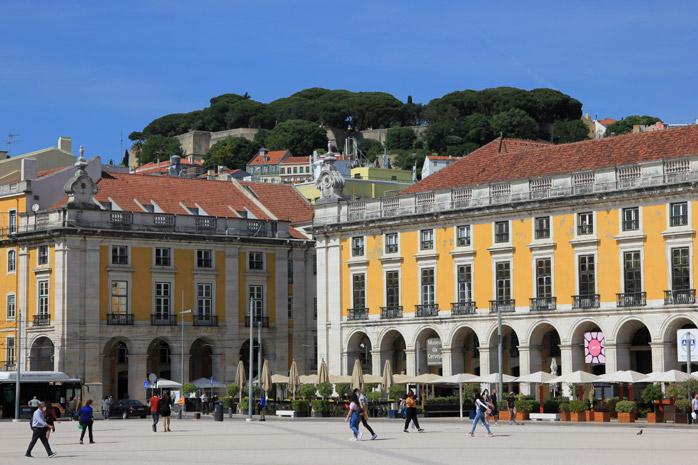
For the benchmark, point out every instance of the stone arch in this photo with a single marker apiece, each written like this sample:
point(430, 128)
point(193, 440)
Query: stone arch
point(421, 355)
point(576, 340)
point(393, 347)
point(359, 347)
point(159, 359)
point(633, 349)
point(244, 355)
point(465, 350)
point(544, 347)
point(669, 340)
point(201, 358)
point(41, 354)
point(115, 379)
point(510, 359)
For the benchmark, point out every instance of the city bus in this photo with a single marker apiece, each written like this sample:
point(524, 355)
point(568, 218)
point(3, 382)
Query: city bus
point(52, 387)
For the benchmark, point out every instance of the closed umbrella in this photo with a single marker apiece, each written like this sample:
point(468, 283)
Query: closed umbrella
point(294, 381)
point(357, 375)
point(322, 373)
point(266, 377)
point(387, 376)
point(240, 379)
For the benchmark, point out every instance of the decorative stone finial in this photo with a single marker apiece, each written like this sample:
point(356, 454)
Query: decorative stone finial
point(80, 187)
point(330, 182)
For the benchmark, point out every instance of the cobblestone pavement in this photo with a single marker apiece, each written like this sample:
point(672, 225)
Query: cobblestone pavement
point(326, 441)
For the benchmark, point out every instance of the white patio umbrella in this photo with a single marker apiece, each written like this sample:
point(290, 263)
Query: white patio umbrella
point(205, 383)
point(539, 377)
point(493, 378)
point(428, 378)
point(694, 374)
point(163, 383)
point(322, 373)
point(340, 379)
point(671, 376)
point(373, 379)
point(403, 379)
point(622, 376)
point(279, 379)
point(461, 379)
point(576, 377)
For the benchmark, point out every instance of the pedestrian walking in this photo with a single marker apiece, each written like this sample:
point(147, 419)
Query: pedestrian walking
point(354, 417)
point(165, 410)
point(363, 403)
point(39, 429)
point(511, 403)
point(34, 404)
point(495, 407)
point(73, 407)
point(86, 419)
point(694, 409)
point(204, 403)
point(262, 404)
point(155, 410)
point(481, 409)
point(411, 412)
point(107, 406)
point(103, 407)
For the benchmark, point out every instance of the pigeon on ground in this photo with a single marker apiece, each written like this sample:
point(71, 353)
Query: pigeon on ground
point(639, 433)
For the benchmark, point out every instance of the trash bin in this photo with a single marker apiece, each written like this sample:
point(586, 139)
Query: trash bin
point(218, 412)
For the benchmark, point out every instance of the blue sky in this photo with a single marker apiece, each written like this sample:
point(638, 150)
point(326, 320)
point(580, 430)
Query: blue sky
point(90, 69)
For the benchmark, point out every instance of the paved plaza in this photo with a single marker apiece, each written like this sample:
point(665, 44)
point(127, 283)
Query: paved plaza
point(326, 441)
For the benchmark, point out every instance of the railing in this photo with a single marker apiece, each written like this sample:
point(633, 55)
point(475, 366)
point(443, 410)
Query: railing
point(42, 320)
point(680, 297)
point(8, 366)
point(585, 229)
point(391, 312)
point(678, 220)
point(205, 320)
point(586, 301)
point(163, 320)
point(391, 248)
point(466, 307)
point(258, 321)
point(119, 319)
point(426, 245)
point(357, 251)
point(543, 304)
point(426, 310)
point(631, 299)
point(121, 219)
point(502, 305)
point(356, 314)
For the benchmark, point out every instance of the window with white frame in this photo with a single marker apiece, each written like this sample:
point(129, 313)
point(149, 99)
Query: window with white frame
point(204, 258)
point(464, 276)
point(162, 300)
point(11, 261)
point(426, 239)
point(544, 278)
point(392, 288)
point(10, 351)
point(12, 221)
point(255, 261)
point(427, 285)
point(204, 300)
point(43, 255)
point(119, 297)
point(501, 232)
point(357, 246)
point(256, 292)
point(163, 256)
point(11, 309)
point(678, 214)
point(587, 275)
point(631, 219)
point(358, 290)
point(42, 303)
point(680, 269)
point(463, 235)
point(585, 223)
point(503, 282)
point(542, 227)
point(119, 255)
point(391, 243)
point(632, 272)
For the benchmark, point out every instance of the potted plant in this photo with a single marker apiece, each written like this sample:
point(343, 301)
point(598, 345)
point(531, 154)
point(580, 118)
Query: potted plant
point(523, 408)
point(652, 395)
point(504, 411)
point(626, 411)
point(564, 411)
point(683, 407)
point(577, 410)
point(342, 390)
point(611, 404)
point(320, 408)
point(232, 390)
point(394, 393)
point(300, 407)
point(601, 412)
point(589, 410)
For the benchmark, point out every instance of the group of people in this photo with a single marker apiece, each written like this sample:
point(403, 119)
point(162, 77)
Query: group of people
point(358, 413)
point(161, 407)
point(43, 422)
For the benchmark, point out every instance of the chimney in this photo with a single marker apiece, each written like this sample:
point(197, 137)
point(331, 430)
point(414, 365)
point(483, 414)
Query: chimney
point(264, 154)
point(220, 169)
point(210, 175)
point(28, 169)
point(65, 143)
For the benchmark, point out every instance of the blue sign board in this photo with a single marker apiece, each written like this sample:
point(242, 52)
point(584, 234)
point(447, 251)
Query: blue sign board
point(146, 384)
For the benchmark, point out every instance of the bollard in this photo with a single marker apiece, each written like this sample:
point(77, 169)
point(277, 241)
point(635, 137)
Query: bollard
point(218, 412)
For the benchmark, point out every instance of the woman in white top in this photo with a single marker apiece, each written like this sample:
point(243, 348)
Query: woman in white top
point(481, 411)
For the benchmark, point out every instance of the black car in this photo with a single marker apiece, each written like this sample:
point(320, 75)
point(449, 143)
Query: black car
point(128, 408)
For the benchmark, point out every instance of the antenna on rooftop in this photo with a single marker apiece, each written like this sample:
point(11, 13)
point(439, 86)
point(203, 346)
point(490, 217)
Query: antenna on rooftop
point(11, 139)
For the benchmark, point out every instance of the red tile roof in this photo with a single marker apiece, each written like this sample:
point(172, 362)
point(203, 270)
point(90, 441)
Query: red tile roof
point(296, 160)
point(442, 157)
point(274, 157)
point(283, 200)
point(606, 121)
point(507, 159)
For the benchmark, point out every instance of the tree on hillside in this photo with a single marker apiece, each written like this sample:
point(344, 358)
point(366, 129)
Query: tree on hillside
point(298, 136)
point(371, 148)
point(399, 138)
point(514, 123)
point(474, 129)
point(569, 131)
point(158, 148)
point(626, 124)
point(232, 152)
point(124, 160)
point(171, 125)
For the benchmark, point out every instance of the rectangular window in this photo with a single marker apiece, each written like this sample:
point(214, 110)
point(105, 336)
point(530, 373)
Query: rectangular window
point(631, 219)
point(463, 236)
point(289, 271)
point(43, 308)
point(358, 287)
point(426, 239)
point(542, 228)
point(10, 351)
point(587, 275)
point(501, 231)
point(163, 256)
point(162, 300)
point(204, 300)
point(11, 307)
point(11, 261)
point(391, 243)
point(632, 272)
point(119, 255)
point(544, 278)
point(585, 223)
point(290, 307)
point(427, 286)
point(43, 255)
point(678, 212)
point(357, 246)
point(680, 269)
point(464, 277)
point(257, 297)
point(255, 260)
point(392, 288)
point(503, 284)
point(315, 309)
point(12, 220)
point(204, 258)
point(119, 297)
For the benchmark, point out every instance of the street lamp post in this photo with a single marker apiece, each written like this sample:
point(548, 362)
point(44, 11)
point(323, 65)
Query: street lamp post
point(251, 348)
point(181, 317)
point(500, 353)
point(18, 361)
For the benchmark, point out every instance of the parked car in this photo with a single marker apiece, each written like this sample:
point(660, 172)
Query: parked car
point(127, 408)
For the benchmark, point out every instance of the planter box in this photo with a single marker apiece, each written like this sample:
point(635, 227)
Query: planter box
point(602, 417)
point(504, 415)
point(681, 418)
point(521, 416)
point(626, 417)
point(589, 415)
point(655, 417)
point(564, 416)
point(578, 417)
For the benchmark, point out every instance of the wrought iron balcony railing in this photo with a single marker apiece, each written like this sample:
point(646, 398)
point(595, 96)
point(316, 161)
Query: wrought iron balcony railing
point(119, 319)
point(586, 301)
point(466, 307)
point(263, 321)
point(394, 311)
point(205, 320)
point(631, 299)
point(160, 319)
point(42, 320)
point(426, 310)
point(543, 304)
point(356, 314)
point(680, 297)
point(502, 305)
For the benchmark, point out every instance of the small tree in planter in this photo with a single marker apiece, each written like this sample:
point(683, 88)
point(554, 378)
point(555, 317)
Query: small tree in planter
point(342, 391)
point(523, 408)
point(601, 412)
point(626, 410)
point(651, 395)
point(564, 411)
point(683, 407)
point(503, 411)
point(320, 408)
point(325, 390)
point(577, 410)
point(300, 407)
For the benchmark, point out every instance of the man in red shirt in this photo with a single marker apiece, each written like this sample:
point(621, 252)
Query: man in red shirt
point(154, 410)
